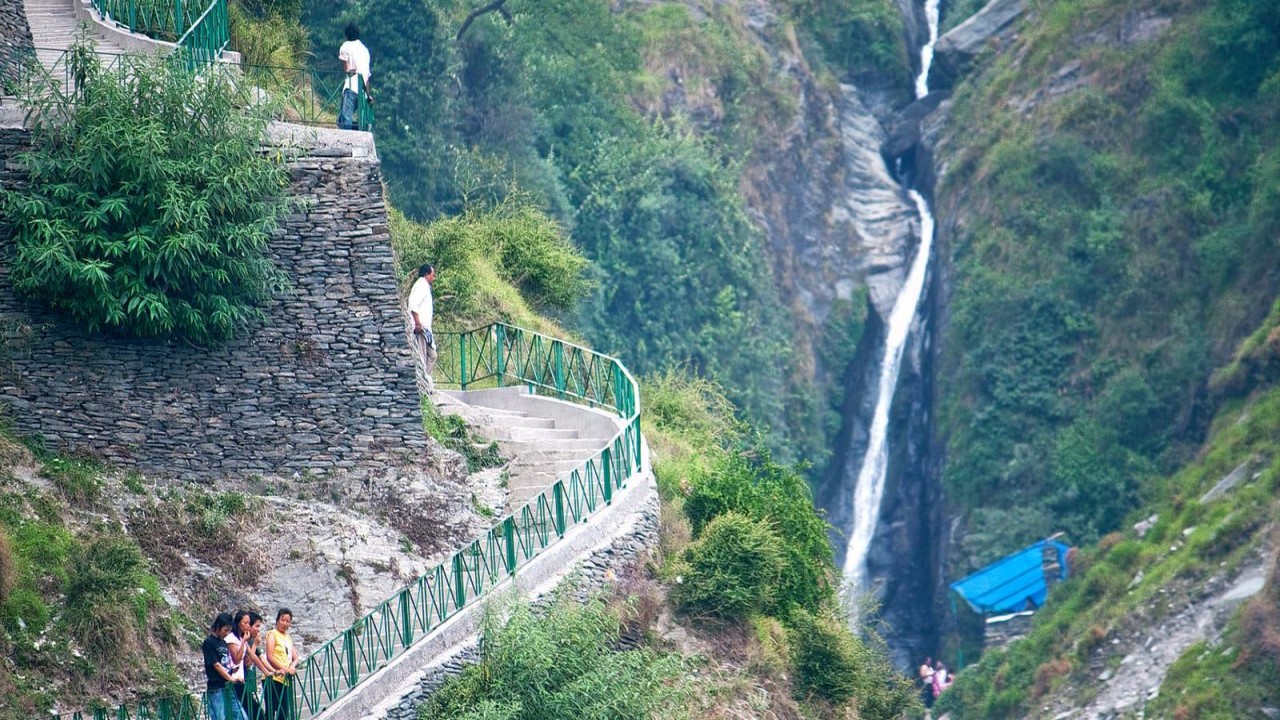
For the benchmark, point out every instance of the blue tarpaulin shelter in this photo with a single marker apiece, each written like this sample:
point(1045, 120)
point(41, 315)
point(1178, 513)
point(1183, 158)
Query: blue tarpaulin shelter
point(1007, 584)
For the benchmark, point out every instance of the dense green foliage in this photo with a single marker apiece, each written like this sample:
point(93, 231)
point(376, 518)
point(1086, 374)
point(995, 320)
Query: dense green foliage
point(79, 606)
point(269, 32)
point(526, 248)
point(561, 663)
point(108, 596)
point(1126, 582)
point(732, 570)
point(149, 205)
point(510, 263)
point(1123, 246)
point(860, 37)
point(730, 513)
point(833, 665)
point(759, 488)
point(569, 102)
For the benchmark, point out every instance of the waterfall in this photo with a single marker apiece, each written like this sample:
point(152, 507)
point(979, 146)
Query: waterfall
point(869, 489)
point(926, 52)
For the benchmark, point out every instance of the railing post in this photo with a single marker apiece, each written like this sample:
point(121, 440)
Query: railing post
point(462, 355)
point(557, 492)
point(557, 348)
point(406, 620)
point(501, 332)
point(606, 456)
point(459, 586)
point(509, 534)
point(349, 649)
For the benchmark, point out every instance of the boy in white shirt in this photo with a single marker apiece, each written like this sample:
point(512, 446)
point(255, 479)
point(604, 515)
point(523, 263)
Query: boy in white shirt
point(355, 61)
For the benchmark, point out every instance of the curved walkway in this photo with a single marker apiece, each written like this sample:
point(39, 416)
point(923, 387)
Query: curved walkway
point(542, 436)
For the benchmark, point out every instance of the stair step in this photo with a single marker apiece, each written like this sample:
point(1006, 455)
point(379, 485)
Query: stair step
point(513, 421)
point(511, 448)
point(525, 434)
point(479, 412)
point(556, 467)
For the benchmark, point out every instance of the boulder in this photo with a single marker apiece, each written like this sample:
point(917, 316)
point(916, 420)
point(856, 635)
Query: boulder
point(955, 50)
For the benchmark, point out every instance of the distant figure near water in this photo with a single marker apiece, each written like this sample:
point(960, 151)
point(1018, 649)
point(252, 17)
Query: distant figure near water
point(926, 679)
point(355, 62)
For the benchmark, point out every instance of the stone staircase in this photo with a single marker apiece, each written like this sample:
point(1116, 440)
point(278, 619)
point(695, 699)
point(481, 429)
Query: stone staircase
point(54, 24)
point(544, 438)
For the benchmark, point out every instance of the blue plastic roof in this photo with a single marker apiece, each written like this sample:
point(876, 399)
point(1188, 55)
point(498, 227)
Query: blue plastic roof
point(1005, 586)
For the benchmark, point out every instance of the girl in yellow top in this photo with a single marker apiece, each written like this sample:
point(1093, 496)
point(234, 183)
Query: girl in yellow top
point(283, 658)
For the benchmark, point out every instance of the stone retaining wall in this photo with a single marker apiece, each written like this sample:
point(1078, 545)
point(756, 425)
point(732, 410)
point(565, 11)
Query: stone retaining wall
point(598, 572)
point(15, 39)
point(326, 385)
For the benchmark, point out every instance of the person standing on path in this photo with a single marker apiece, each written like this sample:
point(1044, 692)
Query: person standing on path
point(926, 679)
point(355, 62)
point(283, 659)
point(422, 310)
point(217, 667)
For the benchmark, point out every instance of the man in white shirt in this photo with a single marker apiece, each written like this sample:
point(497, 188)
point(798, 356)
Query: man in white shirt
point(422, 310)
point(355, 61)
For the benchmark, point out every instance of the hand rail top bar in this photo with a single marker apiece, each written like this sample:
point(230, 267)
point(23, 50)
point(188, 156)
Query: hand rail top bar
point(564, 343)
point(212, 6)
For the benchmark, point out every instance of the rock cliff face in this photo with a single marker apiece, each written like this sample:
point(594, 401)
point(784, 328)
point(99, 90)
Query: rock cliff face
point(836, 220)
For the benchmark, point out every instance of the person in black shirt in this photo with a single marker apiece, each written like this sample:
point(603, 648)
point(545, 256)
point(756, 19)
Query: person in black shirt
point(217, 660)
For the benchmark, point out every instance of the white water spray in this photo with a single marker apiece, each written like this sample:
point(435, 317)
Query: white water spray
point(926, 52)
point(869, 490)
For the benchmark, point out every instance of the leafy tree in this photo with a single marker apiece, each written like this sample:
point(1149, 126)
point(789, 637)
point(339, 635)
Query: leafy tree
point(150, 202)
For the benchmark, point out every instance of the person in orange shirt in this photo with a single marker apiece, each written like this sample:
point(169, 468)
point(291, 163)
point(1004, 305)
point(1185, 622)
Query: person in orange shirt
point(283, 659)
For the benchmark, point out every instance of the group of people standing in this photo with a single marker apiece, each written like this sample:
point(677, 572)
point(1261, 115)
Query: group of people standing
point(236, 652)
point(934, 679)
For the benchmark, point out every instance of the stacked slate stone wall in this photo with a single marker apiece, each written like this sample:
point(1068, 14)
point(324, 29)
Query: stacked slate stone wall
point(15, 39)
point(327, 385)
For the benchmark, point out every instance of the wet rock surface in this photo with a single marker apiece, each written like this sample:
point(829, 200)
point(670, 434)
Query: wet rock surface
point(957, 49)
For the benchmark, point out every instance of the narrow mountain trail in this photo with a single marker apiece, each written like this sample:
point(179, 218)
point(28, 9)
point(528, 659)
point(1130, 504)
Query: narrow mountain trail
point(1148, 652)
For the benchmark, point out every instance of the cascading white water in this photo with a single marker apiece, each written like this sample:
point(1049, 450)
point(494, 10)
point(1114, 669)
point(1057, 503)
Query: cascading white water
point(869, 489)
point(931, 13)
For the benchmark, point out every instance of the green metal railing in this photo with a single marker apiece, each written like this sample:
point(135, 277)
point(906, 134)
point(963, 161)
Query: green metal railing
point(501, 355)
point(200, 31)
point(303, 95)
point(159, 19)
point(203, 41)
point(505, 355)
point(298, 95)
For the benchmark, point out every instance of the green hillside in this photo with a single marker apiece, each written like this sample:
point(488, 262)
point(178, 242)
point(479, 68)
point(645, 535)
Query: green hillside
point(1118, 204)
point(1111, 348)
